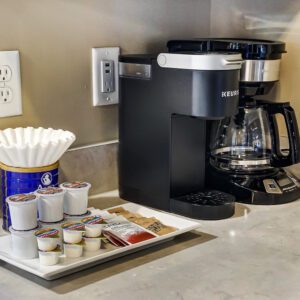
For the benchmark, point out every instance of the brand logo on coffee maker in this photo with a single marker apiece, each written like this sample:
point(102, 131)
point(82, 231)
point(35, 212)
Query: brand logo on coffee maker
point(46, 179)
point(226, 94)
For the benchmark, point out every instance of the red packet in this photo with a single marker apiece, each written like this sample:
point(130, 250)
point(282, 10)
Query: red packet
point(128, 232)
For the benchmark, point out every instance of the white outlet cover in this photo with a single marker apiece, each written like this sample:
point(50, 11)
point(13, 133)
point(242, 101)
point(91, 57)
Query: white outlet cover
point(11, 106)
point(98, 54)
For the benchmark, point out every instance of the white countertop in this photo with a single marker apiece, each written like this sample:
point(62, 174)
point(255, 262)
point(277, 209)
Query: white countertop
point(254, 255)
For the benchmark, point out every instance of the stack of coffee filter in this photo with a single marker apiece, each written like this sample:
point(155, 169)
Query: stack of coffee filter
point(29, 161)
point(33, 147)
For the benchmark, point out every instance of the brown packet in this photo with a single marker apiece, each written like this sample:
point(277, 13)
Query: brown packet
point(154, 225)
point(117, 210)
point(151, 224)
point(125, 213)
point(130, 216)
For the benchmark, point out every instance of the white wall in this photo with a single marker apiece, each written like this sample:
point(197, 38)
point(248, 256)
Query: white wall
point(55, 38)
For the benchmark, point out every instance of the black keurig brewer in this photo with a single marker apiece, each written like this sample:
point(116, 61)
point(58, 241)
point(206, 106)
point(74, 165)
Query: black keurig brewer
point(166, 101)
point(245, 154)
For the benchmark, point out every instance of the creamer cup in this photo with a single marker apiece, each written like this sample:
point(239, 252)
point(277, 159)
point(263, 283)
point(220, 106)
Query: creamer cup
point(91, 244)
point(73, 250)
point(55, 225)
point(50, 204)
point(72, 232)
point(47, 239)
point(23, 244)
point(93, 226)
point(76, 197)
point(23, 211)
point(50, 258)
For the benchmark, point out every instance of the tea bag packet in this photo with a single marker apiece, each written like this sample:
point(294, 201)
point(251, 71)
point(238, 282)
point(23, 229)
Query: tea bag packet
point(115, 219)
point(120, 211)
point(103, 213)
point(151, 224)
point(117, 210)
point(130, 216)
point(155, 225)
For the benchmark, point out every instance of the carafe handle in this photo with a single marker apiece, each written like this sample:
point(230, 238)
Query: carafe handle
point(279, 160)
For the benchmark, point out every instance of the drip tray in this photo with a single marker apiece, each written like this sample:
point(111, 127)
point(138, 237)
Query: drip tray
point(204, 205)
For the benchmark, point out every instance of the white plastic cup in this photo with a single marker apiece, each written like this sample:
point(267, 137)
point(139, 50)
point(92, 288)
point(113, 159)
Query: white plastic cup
point(93, 230)
point(91, 244)
point(73, 232)
point(93, 226)
point(51, 204)
point(23, 211)
point(76, 197)
point(23, 244)
point(47, 239)
point(73, 250)
point(50, 258)
point(56, 225)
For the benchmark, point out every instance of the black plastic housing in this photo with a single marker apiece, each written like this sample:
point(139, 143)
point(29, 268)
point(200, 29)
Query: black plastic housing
point(253, 49)
point(162, 130)
point(250, 49)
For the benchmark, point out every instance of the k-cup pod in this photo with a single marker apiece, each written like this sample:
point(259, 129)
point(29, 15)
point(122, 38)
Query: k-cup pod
point(76, 197)
point(51, 204)
point(91, 244)
point(73, 232)
point(50, 258)
point(47, 239)
point(23, 243)
point(93, 226)
point(73, 250)
point(23, 211)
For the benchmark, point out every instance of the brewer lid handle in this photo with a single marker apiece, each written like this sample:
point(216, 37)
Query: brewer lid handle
point(278, 159)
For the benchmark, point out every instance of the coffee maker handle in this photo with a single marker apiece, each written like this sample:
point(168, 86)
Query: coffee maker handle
point(279, 160)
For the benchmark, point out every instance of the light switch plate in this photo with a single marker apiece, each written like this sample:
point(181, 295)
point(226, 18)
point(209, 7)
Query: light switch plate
point(102, 55)
point(10, 84)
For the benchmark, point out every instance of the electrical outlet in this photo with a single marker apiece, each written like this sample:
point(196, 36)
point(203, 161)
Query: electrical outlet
point(10, 84)
point(105, 74)
point(6, 95)
point(5, 73)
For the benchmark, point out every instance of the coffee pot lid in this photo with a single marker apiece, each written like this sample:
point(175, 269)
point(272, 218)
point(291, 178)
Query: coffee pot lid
point(253, 49)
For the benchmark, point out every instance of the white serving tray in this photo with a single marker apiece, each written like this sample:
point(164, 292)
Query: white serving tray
point(71, 265)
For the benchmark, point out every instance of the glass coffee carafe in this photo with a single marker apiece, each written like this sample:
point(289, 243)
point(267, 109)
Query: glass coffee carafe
point(249, 141)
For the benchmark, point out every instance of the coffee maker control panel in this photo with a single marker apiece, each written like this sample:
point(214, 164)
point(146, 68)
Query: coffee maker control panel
point(279, 186)
point(271, 186)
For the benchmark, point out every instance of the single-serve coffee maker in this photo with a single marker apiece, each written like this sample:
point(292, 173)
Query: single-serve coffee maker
point(166, 104)
point(246, 156)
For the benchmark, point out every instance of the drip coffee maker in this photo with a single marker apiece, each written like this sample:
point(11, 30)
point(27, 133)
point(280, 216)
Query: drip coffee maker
point(245, 153)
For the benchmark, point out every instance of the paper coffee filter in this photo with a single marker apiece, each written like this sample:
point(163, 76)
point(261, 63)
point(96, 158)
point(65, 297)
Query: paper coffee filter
point(33, 147)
